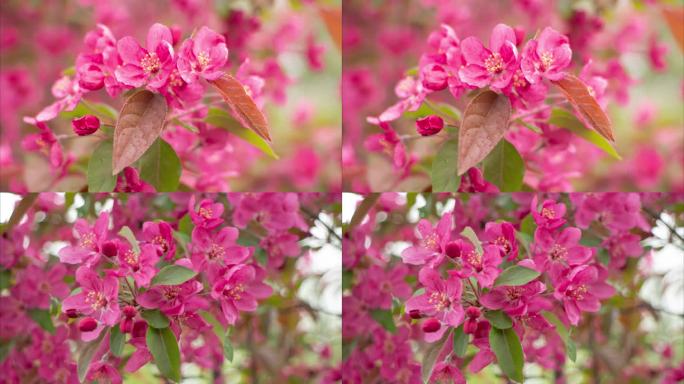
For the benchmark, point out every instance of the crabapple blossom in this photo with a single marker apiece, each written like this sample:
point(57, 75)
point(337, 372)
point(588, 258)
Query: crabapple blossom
point(151, 66)
point(580, 291)
point(98, 299)
point(492, 67)
point(238, 289)
point(203, 55)
point(547, 56)
point(85, 125)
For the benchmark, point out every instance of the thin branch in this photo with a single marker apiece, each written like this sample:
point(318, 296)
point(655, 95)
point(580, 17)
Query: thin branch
point(657, 218)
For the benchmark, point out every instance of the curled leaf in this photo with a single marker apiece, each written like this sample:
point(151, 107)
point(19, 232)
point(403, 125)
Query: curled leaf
point(242, 107)
point(583, 101)
point(140, 122)
point(485, 121)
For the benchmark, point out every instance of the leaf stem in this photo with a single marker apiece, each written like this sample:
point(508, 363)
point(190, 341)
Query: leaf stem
point(435, 108)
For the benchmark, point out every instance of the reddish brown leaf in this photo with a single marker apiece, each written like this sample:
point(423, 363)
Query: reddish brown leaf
point(485, 121)
point(242, 107)
point(140, 122)
point(584, 102)
point(332, 17)
point(674, 16)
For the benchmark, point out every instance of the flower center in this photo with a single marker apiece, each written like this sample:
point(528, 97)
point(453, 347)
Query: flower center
point(216, 252)
point(577, 293)
point(439, 300)
point(96, 300)
point(175, 80)
point(494, 63)
point(203, 60)
point(548, 213)
point(546, 60)
point(131, 258)
point(171, 293)
point(161, 242)
point(150, 63)
point(558, 253)
point(88, 241)
point(206, 213)
point(513, 293)
point(503, 243)
point(431, 242)
point(475, 260)
point(235, 292)
point(519, 80)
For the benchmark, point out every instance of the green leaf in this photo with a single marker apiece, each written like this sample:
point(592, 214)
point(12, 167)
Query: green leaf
point(504, 167)
point(100, 178)
point(116, 341)
point(565, 119)
point(444, 168)
point(160, 166)
point(185, 225)
point(87, 354)
point(5, 349)
point(431, 355)
point(173, 275)
point(384, 318)
point(498, 319)
point(509, 355)
point(164, 349)
point(228, 347)
point(528, 226)
point(155, 318)
point(5, 276)
point(42, 318)
point(516, 275)
point(222, 119)
point(126, 233)
point(469, 234)
point(103, 111)
point(564, 334)
point(460, 341)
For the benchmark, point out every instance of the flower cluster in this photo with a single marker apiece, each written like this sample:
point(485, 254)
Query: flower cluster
point(532, 271)
point(124, 277)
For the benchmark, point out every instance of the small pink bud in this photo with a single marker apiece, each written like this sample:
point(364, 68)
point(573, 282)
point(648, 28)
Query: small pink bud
point(473, 312)
point(129, 311)
point(429, 125)
point(87, 324)
point(72, 313)
point(470, 326)
point(86, 125)
point(434, 77)
point(109, 249)
point(453, 250)
point(415, 314)
point(431, 325)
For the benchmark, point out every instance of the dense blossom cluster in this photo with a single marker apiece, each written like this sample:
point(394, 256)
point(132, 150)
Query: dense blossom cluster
point(108, 277)
point(521, 61)
point(572, 250)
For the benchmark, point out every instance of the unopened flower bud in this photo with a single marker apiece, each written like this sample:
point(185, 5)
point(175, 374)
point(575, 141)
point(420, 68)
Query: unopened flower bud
point(129, 311)
point(434, 77)
point(431, 325)
point(71, 313)
point(453, 249)
point(85, 125)
point(429, 125)
point(87, 324)
point(415, 314)
point(109, 249)
point(473, 312)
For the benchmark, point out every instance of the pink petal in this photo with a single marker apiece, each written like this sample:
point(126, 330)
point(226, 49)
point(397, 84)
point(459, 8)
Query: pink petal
point(501, 34)
point(157, 34)
point(474, 75)
point(130, 74)
point(130, 51)
point(73, 255)
point(473, 51)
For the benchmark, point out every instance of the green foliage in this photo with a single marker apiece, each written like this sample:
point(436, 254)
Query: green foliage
point(516, 275)
point(460, 341)
point(222, 119)
point(116, 341)
point(384, 318)
point(445, 166)
point(509, 355)
point(504, 167)
point(42, 318)
point(173, 275)
point(160, 166)
point(498, 319)
point(155, 318)
point(100, 178)
point(87, 354)
point(164, 349)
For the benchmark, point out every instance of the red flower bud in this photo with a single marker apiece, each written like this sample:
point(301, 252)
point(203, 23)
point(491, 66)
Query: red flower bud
point(109, 249)
point(434, 77)
point(85, 125)
point(129, 311)
point(453, 250)
point(470, 326)
point(431, 325)
point(87, 324)
point(473, 312)
point(415, 314)
point(72, 313)
point(429, 125)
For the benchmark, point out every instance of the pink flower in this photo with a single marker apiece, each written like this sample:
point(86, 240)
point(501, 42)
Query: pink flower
point(442, 298)
point(45, 142)
point(447, 372)
point(546, 56)
point(551, 214)
point(474, 181)
point(202, 56)
point(621, 246)
point(553, 251)
point(129, 181)
point(493, 67)
point(90, 241)
point(208, 215)
point(216, 249)
point(432, 242)
point(142, 354)
point(103, 372)
point(429, 125)
point(502, 234)
point(377, 286)
point(514, 300)
point(580, 291)
point(35, 286)
point(238, 290)
point(69, 94)
point(160, 234)
point(390, 143)
point(85, 125)
point(139, 265)
point(97, 299)
point(484, 267)
point(170, 299)
point(279, 246)
point(151, 66)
